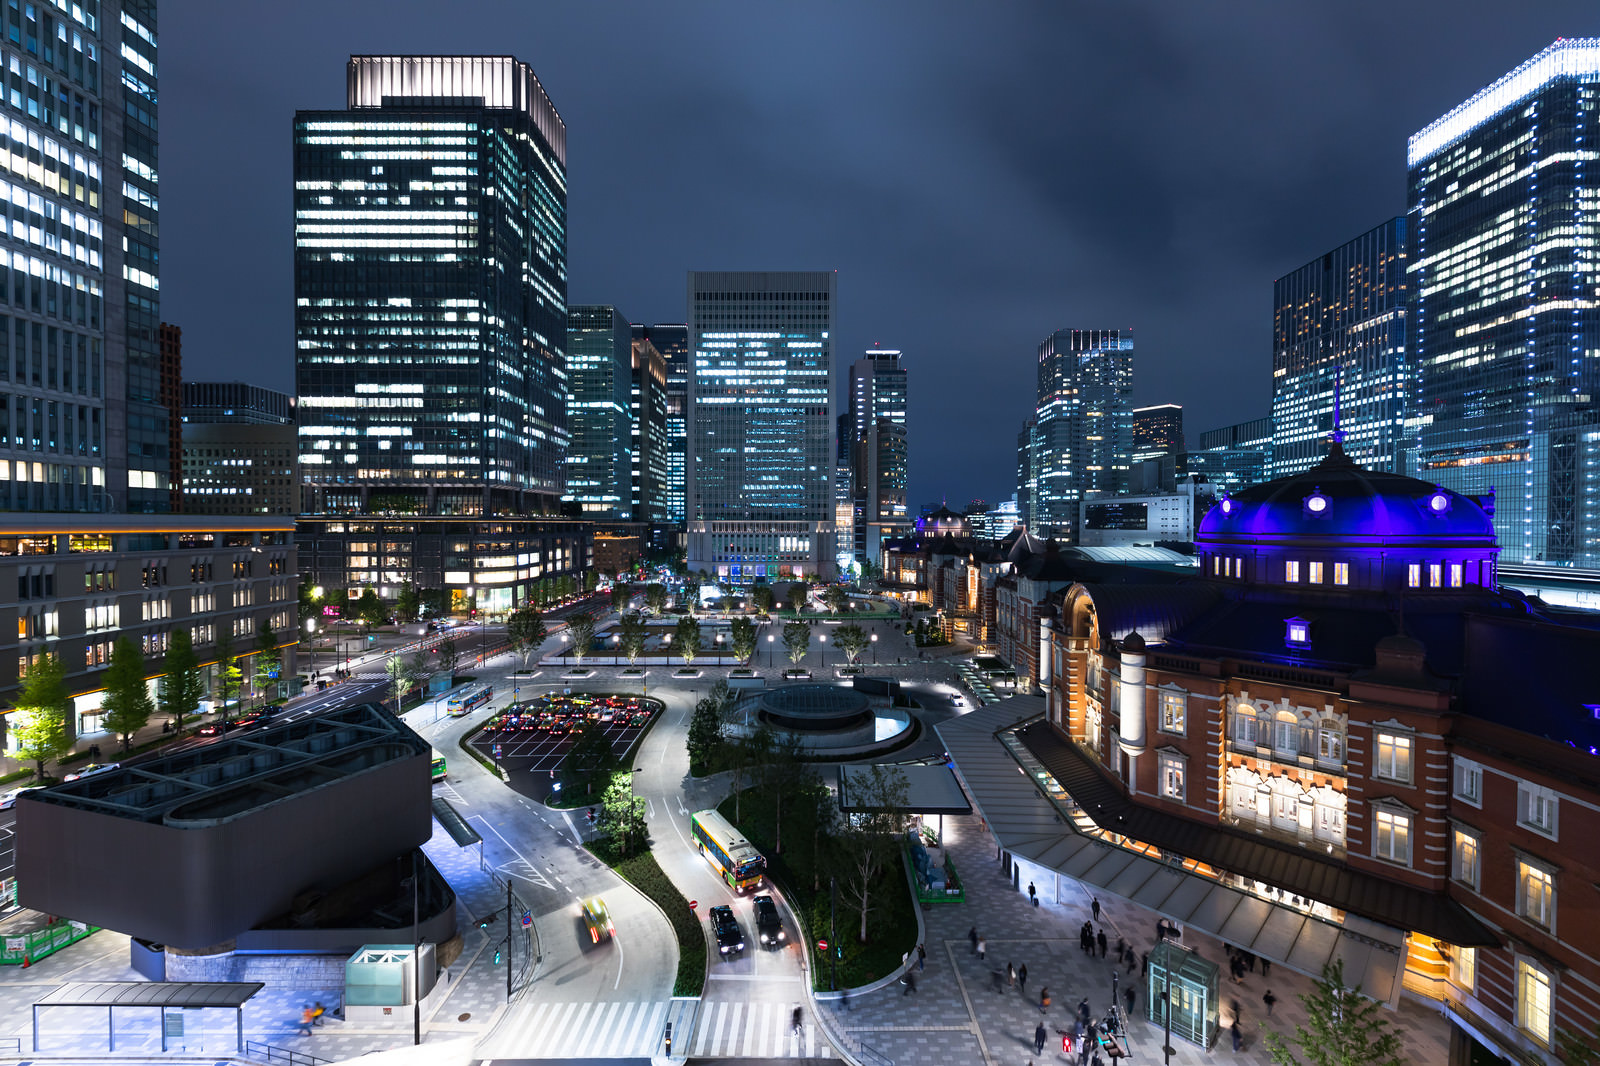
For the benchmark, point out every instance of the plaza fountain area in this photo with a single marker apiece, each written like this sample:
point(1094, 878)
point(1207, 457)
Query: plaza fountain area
point(828, 721)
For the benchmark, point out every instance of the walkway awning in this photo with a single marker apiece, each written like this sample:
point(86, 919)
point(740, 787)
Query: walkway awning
point(462, 833)
point(158, 995)
point(929, 790)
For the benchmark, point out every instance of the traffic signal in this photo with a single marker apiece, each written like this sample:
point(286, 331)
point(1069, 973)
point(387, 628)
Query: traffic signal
point(497, 956)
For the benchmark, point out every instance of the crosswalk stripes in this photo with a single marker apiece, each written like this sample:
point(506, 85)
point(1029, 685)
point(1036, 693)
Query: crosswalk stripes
point(633, 1029)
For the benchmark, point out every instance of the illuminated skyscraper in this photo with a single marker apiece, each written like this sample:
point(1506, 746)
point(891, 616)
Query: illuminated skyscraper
point(1340, 321)
point(761, 416)
point(1505, 285)
point(876, 426)
point(651, 446)
point(431, 289)
point(672, 341)
point(1157, 431)
point(1083, 439)
point(599, 474)
point(84, 424)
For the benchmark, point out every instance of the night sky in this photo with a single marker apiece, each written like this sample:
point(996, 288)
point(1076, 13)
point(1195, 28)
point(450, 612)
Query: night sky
point(978, 174)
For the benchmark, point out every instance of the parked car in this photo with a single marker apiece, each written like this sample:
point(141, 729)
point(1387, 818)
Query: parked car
point(769, 923)
point(91, 770)
point(730, 938)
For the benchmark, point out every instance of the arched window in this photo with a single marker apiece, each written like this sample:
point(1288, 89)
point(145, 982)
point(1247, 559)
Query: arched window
point(1244, 724)
point(1286, 734)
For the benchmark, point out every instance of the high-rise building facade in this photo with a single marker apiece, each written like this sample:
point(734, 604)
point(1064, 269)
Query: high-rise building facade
point(672, 341)
point(1235, 456)
point(172, 400)
point(650, 444)
point(1084, 424)
point(82, 422)
point(239, 450)
point(1157, 431)
point(430, 289)
point(1027, 444)
point(877, 460)
point(1339, 350)
point(599, 465)
point(1506, 319)
point(761, 425)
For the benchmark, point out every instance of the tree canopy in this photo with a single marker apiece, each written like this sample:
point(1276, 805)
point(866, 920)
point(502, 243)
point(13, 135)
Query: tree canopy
point(581, 626)
point(1343, 1028)
point(127, 704)
point(686, 638)
point(42, 710)
point(181, 688)
point(797, 640)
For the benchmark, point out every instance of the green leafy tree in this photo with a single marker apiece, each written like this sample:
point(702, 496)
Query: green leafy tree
point(229, 677)
point(705, 732)
point(526, 631)
point(748, 761)
point(797, 595)
point(589, 763)
point(589, 580)
point(852, 640)
point(1342, 1028)
point(871, 572)
point(267, 663)
point(181, 688)
point(621, 593)
point(581, 626)
point(797, 640)
point(402, 678)
point(742, 632)
point(634, 633)
point(686, 638)
point(408, 603)
point(836, 598)
point(655, 597)
point(42, 709)
point(127, 704)
point(622, 814)
point(450, 656)
point(793, 778)
point(761, 597)
point(872, 835)
point(1579, 1049)
point(371, 610)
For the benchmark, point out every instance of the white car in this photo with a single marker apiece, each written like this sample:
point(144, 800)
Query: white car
point(92, 769)
point(8, 800)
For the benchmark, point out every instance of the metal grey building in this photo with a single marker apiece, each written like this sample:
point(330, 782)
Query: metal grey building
point(599, 481)
point(1233, 457)
point(1339, 327)
point(761, 419)
point(1083, 434)
point(1505, 319)
point(431, 290)
point(82, 422)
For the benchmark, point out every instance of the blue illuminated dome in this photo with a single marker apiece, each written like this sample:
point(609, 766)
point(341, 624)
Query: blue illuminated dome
point(1345, 527)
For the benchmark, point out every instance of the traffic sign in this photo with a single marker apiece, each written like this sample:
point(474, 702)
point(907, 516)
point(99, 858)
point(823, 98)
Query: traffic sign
point(822, 945)
point(527, 919)
point(497, 751)
point(693, 903)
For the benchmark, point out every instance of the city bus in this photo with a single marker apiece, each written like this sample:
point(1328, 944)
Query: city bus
point(735, 858)
point(468, 698)
point(438, 765)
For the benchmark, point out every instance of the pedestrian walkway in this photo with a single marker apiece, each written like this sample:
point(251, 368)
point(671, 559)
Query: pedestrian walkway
point(730, 1029)
point(966, 1013)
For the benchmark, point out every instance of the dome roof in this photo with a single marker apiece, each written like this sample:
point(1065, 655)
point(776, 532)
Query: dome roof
point(1338, 500)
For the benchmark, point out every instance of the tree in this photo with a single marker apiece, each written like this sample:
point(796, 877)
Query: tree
point(622, 814)
point(792, 777)
point(870, 572)
point(590, 761)
point(402, 678)
point(655, 597)
point(742, 632)
point(1343, 1028)
point(229, 676)
point(761, 597)
point(181, 688)
point(797, 595)
point(267, 665)
point(633, 633)
point(127, 703)
point(1579, 1049)
point(705, 731)
point(852, 640)
point(870, 837)
point(42, 710)
point(450, 656)
point(621, 593)
point(526, 631)
point(408, 603)
point(750, 756)
point(836, 598)
point(686, 638)
point(371, 610)
point(797, 640)
point(581, 626)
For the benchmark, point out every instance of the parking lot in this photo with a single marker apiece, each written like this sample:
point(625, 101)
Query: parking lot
point(536, 734)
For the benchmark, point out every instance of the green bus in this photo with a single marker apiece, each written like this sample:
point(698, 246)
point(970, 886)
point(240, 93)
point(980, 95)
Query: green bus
point(736, 859)
point(438, 765)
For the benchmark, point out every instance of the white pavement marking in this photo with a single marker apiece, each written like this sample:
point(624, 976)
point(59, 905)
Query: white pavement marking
point(577, 838)
point(533, 872)
point(618, 982)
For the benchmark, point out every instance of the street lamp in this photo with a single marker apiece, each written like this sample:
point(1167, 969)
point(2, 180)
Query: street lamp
point(823, 640)
point(874, 648)
point(770, 639)
point(311, 632)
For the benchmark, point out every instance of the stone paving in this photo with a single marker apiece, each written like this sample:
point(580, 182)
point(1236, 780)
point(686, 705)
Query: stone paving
point(957, 1016)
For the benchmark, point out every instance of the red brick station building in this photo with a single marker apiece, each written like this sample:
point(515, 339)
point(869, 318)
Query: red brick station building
point(1340, 740)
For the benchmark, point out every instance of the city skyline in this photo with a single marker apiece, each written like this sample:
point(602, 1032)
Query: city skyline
point(1189, 262)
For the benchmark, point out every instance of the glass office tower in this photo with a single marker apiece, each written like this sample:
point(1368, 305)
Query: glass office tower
point(83, 425)
point(1339, 326)
point(1157, 431)
point(599, 412)
point(650, 445)
point(1084, 424)
point(761, 417)
point(672, 341)
point(430, 290)
point(877, 458)
point(1506, 296)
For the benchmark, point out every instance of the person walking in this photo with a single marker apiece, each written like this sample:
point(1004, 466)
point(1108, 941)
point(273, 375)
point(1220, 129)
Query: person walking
point(1038, 1039)
point(1238, 1038)
point(911, 983)
point(1127, 994)
point(1101, 940)
point(1144, 965)
point(1083, 1012)
point(1269, 999)
point(1044, 1000)
point(972, 935)
point(1011, 976)
point(317, 1011)
point(983, 948)
point(1033, 894)
point(1022, 979)
point(1094, 906)
point(307, 1016)
point(922, 958)
point(1266, 967)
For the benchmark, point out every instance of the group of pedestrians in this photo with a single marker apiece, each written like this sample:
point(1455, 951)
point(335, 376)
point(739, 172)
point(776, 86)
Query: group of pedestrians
point(1090, 941)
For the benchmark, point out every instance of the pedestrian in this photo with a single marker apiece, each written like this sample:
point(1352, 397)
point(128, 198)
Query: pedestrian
point(1094, 905)
point(911, 983)
point(844, 999)
point(1238, 1040)
point(1044, 999)
point(1161, 929)
point(1101, 940)
point(1022, 979)
point(1266, 967)
point(317, 1012)
point(1269, 999)
point(1250, 962)
point(306, 1017)
point(1122, 948)
point(922, 958)
point(1083, 1011)
point(1033, 894)
point(1130, 961)
point(1011, 975)
point(1038, 1039)
point(1144, 965)
point(997, 982)
point(983, 948)
point(972, 935)
point(794, 1020)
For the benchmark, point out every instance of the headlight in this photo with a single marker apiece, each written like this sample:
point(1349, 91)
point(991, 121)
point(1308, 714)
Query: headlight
point(763, 938)
point(780, 934)
point(723, 949)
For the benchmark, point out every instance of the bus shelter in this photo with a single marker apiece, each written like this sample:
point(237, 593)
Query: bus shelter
point(1185, 985)
point(162, 996)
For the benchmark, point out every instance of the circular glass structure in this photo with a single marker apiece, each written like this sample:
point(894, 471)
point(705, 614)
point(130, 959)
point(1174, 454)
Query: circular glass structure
point(815, 708)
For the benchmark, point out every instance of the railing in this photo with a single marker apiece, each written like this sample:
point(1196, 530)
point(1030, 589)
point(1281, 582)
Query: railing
point(269, 1053)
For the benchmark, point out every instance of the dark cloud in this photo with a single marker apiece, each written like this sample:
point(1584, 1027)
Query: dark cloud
point(979, 175)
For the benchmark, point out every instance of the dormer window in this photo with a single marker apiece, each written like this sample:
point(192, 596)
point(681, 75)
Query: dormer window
point(1297, 633)
point(1227, 506)
point(1318, 504)
point(1438, 503)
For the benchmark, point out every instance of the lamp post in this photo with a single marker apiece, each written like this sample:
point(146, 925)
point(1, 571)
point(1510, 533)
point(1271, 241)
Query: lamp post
point(874, 648)
point(311, 634)
point(823, 640)
point(770, 639)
